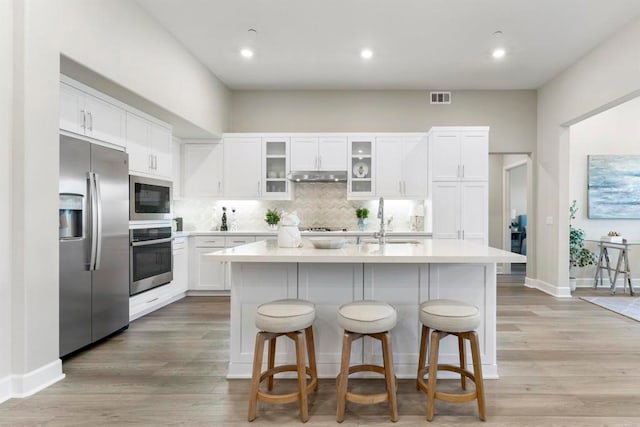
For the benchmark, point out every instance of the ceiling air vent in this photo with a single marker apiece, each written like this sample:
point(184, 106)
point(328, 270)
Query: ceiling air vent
point(441, 97)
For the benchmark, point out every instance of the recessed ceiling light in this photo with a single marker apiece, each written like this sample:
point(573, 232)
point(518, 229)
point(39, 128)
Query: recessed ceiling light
point(498, 53)
point(366, 53)
point(247, 53)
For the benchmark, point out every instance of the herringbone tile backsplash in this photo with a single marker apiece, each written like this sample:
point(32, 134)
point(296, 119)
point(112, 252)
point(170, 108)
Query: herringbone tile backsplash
point(317, 205)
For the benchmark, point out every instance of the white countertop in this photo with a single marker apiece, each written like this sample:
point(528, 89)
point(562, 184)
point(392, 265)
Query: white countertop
point(427, 251)
point(350, 233)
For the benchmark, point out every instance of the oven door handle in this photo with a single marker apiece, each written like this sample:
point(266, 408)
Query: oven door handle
point(151, 242)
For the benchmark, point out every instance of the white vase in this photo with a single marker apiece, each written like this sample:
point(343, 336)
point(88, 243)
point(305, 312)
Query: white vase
point(572, 283)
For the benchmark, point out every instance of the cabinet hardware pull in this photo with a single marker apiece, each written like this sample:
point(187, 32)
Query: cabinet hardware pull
point(150, 163)
point(152, 300)
point(219, 187)
point(400, 186)
point(90, 121)
point(319, 162)
point(84, 119)
point(463, 171)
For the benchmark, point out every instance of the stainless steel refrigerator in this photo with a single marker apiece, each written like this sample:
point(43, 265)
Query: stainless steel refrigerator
point(94, 243)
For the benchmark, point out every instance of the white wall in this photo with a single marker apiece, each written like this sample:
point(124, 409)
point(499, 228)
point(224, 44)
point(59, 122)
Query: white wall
point(6, 117)
point(116, 39)
point(518, 190)
point(608, 74)
point(615, 131)
point(496, 221)
point(511, 114)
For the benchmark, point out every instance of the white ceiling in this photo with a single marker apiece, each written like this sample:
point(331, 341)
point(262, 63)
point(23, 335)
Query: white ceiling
point(417, 44)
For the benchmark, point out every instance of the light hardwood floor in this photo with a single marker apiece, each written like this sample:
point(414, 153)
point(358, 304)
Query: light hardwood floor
point(563, 362)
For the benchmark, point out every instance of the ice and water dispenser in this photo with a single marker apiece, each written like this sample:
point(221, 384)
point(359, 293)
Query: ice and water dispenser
point(71, 216)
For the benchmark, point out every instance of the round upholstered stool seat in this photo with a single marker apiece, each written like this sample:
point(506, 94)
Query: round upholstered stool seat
point(293, 319)
point(373, 319)
point(367, 317)
point(449, 315)
point(285, 315)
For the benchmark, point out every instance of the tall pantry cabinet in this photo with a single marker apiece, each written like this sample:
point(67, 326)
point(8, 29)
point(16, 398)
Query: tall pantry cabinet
point(459, 164)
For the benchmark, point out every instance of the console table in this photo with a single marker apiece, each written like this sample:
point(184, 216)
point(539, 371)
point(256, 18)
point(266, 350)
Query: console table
point(604, 264)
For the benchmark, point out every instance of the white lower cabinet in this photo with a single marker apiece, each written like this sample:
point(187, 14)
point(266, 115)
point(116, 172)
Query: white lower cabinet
point(207, 274)
point(460, 211)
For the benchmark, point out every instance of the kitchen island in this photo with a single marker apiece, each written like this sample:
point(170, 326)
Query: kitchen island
point(402, 274)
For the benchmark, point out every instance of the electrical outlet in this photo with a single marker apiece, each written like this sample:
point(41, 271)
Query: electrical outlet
point(549, 220)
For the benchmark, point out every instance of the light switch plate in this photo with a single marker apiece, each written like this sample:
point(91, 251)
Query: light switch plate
point(549, 220)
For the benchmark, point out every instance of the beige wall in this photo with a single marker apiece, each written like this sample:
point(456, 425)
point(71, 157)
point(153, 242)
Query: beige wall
point(511, 114)
point(116, 39)
point(604, 77)
point(6, 117)
point(496, 220)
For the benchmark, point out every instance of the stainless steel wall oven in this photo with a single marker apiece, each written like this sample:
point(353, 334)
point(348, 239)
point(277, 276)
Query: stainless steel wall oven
point(151, 258)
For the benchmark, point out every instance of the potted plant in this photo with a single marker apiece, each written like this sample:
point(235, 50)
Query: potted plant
point(272, 217)
point(579, 256)
point(362, 214)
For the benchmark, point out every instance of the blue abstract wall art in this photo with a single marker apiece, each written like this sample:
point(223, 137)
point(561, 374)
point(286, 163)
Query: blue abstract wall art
point(614, 186)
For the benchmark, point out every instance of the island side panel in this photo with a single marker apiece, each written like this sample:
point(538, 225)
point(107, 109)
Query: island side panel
point(329, 286)
point(253, 284)
point(403, 286)
point(474, 284)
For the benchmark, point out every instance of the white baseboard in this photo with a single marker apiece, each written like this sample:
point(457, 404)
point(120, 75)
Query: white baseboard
point(548, 288)
point(25, 385)
point(5, 388)
point(587, 282)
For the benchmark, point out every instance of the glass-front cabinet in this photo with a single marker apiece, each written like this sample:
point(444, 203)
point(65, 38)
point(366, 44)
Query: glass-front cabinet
point(275, 185)
point(361, 182)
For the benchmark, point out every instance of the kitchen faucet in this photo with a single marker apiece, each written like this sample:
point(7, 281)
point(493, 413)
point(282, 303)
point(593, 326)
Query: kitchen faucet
point(380, 235)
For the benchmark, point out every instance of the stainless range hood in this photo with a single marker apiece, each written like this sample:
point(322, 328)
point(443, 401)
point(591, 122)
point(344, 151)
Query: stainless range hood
point(317, 176)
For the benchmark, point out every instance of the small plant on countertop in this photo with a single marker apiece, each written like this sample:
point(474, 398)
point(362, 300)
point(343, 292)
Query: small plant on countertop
point(362, 213)
point(272, 217)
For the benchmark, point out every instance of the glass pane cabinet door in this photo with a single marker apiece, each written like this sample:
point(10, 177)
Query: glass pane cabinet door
point(275, 169)
point(361, 174)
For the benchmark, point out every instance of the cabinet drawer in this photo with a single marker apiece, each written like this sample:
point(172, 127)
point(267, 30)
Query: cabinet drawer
point(231, 241)
point(179, 243)
point(209, 241)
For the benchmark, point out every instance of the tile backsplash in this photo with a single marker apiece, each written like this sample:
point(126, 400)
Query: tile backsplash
point(317, 205)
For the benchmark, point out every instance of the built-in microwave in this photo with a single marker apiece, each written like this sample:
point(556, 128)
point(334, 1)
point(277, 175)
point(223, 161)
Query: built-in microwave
point(149, 199)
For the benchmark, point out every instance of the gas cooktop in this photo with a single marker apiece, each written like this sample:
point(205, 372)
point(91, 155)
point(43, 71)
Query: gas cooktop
point(321, 229)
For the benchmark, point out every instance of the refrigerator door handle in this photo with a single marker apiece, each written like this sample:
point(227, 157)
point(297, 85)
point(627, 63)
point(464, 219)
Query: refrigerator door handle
point(94, 221)
point(96, 181)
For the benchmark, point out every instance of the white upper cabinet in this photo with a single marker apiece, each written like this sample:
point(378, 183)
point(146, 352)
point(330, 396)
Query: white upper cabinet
point(402, 167)
point(86, 114)
point(202, 165)
point(361, 183)
point(321, 153)
point(176, 167)
point(275, 167)
point(242, 167)
point(459, 154)
point(149, 146)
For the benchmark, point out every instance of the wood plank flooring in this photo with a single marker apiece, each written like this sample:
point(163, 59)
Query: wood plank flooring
point(562, 362)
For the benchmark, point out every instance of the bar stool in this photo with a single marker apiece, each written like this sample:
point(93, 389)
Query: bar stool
point(288, 317)
point(448, 317)
point(373, 319)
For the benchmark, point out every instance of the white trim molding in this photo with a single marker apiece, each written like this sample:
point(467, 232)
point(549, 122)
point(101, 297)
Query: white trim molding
point(20, 386)
point(548, 288)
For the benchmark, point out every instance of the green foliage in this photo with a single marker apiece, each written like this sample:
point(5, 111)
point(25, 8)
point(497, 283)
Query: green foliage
point(272, 216)
point(579, 256)
point(362, 213)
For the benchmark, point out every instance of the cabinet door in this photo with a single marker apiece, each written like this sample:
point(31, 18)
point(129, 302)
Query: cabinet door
point(242, 168)
point(160, 145)
point(474, 156)
point(180, 268)
point(445, 155)
point(275, 166)
point(105, 121)
point(389, 167)
point(332, 153)
point(138, 144)
point(415, 168)
point(474, 221)
point(202, 170)
point(446, 210)
point(72, 117)
point(210, 274)
point(304, 154)
point(176, 167)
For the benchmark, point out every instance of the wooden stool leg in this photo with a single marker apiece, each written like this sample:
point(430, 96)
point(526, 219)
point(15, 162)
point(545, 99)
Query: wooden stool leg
point(302, 378)
point(389, 375)
point(463, 363)
point(477, 373)
point(343, 377)
point(271, 361)
point(311, 353)
point(434, 346)
point(255, 375)
point(422, 353)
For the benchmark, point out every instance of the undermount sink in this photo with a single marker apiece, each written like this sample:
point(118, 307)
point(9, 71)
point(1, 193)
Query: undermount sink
point(391, 242)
